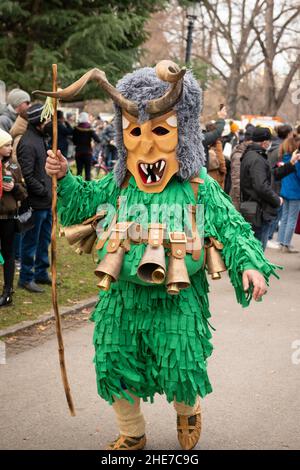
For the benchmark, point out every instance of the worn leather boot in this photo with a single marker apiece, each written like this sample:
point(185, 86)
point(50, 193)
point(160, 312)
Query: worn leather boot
point(6, 297)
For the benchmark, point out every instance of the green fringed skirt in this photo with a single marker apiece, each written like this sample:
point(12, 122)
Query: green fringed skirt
point(147, 341)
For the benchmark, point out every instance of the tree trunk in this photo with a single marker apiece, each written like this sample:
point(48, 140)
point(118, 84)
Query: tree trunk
point(269, 86)
point(232, 93)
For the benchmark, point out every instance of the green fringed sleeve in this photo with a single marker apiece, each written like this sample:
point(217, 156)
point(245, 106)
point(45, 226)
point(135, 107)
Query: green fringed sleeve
point(241, 249)
point(1, 259)
point(78, 199)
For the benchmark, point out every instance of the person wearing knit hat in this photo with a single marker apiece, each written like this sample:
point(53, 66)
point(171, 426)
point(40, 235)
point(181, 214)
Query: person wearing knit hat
point(12, 192)
point(18, 102)
point(256, 186)
point(34, 113)
point(31, 155)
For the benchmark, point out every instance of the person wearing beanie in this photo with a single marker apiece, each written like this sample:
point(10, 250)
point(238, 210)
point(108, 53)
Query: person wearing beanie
point(83, 135)
point(18, 102)
point(31, 155)
point(259, 202)
point(12, 192)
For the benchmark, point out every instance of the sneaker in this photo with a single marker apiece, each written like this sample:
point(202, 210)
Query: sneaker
point(127, 443)
point(273, 245)
point(31, 287)
point(288, 249)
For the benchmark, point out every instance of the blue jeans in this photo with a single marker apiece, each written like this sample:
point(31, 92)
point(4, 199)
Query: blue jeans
point(275, 222)
point(262, 233)
point(290, 211)
point(34, 250)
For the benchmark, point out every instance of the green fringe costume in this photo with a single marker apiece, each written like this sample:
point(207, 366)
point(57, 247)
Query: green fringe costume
point(147, 341)
point(1, 259)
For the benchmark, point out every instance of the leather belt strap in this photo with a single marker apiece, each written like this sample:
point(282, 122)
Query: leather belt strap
point(178, 242)
point(156, 234)
point(119, 235)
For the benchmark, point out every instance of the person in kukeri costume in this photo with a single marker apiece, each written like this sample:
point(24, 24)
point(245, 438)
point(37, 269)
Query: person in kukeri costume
point(152, 332)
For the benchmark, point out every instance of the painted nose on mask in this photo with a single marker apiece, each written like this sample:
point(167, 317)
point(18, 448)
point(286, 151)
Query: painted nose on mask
point(146, 146)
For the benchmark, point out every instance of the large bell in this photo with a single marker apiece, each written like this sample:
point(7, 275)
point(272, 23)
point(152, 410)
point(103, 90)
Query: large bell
point(109, 268)
point(177, 278)
point(214, 262)
point(75, 233)
point(86, 245)
point(152, 267)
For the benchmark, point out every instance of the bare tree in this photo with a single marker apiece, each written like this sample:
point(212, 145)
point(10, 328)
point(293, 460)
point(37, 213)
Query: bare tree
point(233, 54)
point(279, 37)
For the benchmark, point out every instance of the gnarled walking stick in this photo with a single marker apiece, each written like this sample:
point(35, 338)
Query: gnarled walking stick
point(53, 254)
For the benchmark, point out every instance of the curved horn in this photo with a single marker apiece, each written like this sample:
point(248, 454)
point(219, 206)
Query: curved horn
point(170, 72)
point(100, 77)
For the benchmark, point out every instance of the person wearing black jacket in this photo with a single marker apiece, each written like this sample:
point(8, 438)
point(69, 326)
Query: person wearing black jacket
point(256, 183)
point(32, 154)
point(83, 135)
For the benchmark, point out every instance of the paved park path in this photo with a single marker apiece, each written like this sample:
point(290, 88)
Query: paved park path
point(256, 398)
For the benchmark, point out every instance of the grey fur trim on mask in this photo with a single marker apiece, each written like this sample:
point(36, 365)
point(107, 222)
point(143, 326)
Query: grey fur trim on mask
point(143, 85)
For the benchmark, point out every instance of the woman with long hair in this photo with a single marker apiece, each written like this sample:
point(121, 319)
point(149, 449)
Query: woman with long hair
point(290, 192)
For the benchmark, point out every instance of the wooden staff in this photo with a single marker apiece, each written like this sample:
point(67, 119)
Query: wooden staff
point(53, 254)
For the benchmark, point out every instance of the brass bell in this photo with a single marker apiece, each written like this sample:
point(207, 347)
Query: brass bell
point(152, 267)
point(109, 268)
point(178, 277)
point(173, 289)
point(214, 262)
point(76, 233)
point(87, 244)
point(105, 282)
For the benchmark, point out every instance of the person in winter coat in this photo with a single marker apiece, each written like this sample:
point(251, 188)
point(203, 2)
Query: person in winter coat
point(256, 183)
point(83, 135)
point(216, 164)
point(290, 191)
point(283, 132)
point(31, 154)
point(18, 102)
point(12, 192)
point(238, 151)
point(64, 131)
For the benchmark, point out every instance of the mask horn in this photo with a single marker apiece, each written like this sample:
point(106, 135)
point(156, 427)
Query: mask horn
point(170, 72)
point(98, 75)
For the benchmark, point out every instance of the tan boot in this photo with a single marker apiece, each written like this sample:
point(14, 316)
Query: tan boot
point(127, 443)
point(188, 430)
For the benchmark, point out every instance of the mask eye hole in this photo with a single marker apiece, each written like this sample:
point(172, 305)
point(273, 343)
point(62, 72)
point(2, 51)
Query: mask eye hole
point(159, 130)
point(136, 131)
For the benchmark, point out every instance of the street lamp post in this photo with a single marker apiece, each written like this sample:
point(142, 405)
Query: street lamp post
point(191, 16)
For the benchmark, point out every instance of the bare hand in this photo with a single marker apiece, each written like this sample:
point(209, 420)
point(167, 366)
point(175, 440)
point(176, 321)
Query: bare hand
point(223, 113)
point(295, 157)
point(251, 276)
point(8, 186)
point(56, 166)
point(281, 200)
